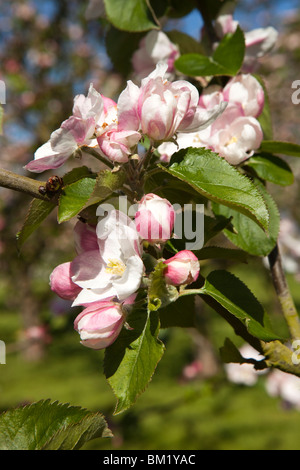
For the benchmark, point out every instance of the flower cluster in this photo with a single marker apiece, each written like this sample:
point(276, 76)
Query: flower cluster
point(76, 132)
point(236, 133)
point(108, 270)
point(157, 109)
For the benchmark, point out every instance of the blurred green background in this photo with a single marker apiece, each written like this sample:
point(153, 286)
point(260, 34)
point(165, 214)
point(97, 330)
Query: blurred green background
point(43, 68)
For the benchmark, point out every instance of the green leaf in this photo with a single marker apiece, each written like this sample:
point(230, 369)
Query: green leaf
point(265, 118)
point(107, 183)
point(213, 226)
point(214, 6)
point(226, 60)
point(160, 294)
point(247, 235)
point(181, 313)
point(219, 252)
point(76, 174)
point(158, 7)
point(187, 44)
point(210, 226)
point(50, 426)
point(230, 353)
point(38, 211)
point(132, 359)
point(74, 198)
point(198, 65)
point(135, 15)
point(217, 180)
point(87, 191)
point(230, 52)
point(236, 298)
point(271, 168)
point(130, 43)
point(283, 148)
point(167, 186)
point(178, 8)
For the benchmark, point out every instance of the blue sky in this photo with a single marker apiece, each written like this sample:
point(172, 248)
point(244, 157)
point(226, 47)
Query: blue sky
point(260, 17)
point(192, 24)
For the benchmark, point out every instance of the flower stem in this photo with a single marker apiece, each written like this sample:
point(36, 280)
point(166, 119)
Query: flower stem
point(97, 155)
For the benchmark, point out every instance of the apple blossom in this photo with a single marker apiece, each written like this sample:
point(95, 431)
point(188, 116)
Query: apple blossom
point(90, 106)
point(235, 134)
point(245, 90)
point(108, 262)
point(62, 284)
point(258, 43)
point(211, 96)
point(284, 385)
point(63, 143)
point(182, 268)
point(225, 24)
point(100, 324)
point(245, 373)
point(118, 145)
point(89, 112)
point(153, 48)
point(115, 268)
point(160, 109)
point(155, 218)
point(85, 237)
point(183, 141)
point(289, 244)
point(60, 279)
point(238, 140)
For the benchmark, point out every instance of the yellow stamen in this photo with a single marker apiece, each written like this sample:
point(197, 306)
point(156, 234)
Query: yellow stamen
point(196, 139)
point(115, 266)
point(233, 140)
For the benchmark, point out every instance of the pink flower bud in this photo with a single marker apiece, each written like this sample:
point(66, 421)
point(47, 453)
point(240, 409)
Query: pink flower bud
point(62, 284)
point(182, 268)
point(237, 142)
point(117, 145)
point(160, 108)
point(99, 324)
point(155, 218)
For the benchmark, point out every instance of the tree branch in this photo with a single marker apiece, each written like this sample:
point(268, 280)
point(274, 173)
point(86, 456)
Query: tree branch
point(277, 355)
point(23, 184)
point(202, 7)
point(283, 293)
